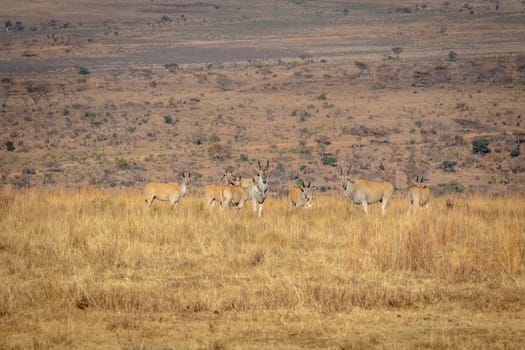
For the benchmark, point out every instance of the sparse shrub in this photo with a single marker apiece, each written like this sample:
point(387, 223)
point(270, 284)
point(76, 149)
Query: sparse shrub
point(10, 146)
point(444, 188)
point(165, 19)
point(515, 152)
point(452, 56)
point(83, 71)
point(401, 10)
point(329, 160)
point(122, 164)
point(218, 151)
point(243, 157)
point(480, 145)
point(448, 166)
point(214, 138)
point(168, 119)
point(461, 106)
point(381, 167)
point(18, 27)
point(171, 67)
point(362, 66)
point(397, 51)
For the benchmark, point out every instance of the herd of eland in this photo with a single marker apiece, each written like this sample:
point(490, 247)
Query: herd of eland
point(234, 191)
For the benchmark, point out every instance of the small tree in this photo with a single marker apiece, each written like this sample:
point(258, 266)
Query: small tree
point(480, 145)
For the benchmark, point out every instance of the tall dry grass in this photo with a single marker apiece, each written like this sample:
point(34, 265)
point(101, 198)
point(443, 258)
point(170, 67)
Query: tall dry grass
point(64, 253)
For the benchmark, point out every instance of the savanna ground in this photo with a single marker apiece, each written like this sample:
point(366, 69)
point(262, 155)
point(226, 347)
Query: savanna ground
point(98, 98)
point(96, 269)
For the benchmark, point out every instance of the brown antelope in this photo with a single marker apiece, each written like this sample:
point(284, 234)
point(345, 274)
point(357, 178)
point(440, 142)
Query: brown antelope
point(300, 196)
point(234, 194)
point(212, 192)
point(418, 195)
point(364, 192)
point(167, 191)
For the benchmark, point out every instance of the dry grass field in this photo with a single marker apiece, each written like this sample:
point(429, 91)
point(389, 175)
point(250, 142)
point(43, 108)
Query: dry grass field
point(99, 97)
point(96, 269)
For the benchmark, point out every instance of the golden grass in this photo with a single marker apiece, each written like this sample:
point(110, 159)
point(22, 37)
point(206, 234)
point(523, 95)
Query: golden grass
point(89, 268)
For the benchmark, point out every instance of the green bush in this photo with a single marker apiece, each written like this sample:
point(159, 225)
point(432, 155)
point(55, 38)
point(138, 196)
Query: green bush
point(168, 119)
point(480, 145)
point(329, 160)
point(83, 71)
point(515, 152)
point(10, 146)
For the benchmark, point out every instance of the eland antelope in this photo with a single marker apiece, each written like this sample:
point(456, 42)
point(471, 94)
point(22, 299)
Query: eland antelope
point(257, 187)
point(167, 191)
point(418, 195)
point(234, 194)
point(364, 192)
point(212, 192)
point(300, 196)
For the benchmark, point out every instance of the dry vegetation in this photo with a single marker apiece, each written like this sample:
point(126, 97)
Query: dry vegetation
point(97, 98)
point(91, 268)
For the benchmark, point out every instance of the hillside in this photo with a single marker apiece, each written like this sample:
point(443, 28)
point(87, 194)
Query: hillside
point(117, 95)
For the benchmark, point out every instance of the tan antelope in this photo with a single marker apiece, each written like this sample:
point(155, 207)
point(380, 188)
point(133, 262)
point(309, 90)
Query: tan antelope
point(212, 192)
point(418, 195)
point(364, 192)
point(300, 196)
point(167, 191)
point(235, 194)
